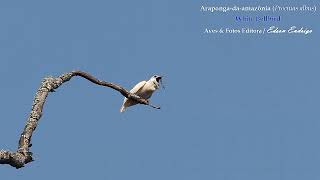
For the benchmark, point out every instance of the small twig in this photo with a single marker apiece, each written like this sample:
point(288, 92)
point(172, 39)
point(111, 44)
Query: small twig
point(156, 107)
point(23, 155)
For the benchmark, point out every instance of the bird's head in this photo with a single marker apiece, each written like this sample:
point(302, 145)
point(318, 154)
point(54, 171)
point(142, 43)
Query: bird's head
point(156, 80)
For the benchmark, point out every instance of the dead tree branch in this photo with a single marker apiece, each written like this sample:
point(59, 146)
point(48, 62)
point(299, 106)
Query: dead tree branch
point(23, 155)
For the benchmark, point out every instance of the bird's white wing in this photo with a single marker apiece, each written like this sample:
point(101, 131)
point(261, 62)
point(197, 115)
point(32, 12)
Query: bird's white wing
point(137, 87)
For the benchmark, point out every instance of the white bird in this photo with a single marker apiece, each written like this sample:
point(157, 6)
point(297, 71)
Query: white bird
point(143, 89)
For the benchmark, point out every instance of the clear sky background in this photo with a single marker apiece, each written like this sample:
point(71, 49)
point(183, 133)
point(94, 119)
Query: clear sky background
point(235, 107)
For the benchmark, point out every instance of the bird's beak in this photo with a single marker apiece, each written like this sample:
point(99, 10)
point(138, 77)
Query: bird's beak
point(158, 79)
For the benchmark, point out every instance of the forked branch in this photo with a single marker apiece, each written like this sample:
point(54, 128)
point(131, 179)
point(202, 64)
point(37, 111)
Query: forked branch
point(23, 155)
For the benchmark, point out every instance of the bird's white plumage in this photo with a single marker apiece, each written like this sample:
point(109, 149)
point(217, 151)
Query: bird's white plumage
point(138, 87)
point(143, 89)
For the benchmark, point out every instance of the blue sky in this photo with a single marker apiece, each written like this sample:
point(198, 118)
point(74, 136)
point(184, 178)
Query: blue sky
point(234, 107)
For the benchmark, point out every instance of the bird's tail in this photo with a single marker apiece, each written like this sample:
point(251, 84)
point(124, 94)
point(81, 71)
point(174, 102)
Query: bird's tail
point(122, 108)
